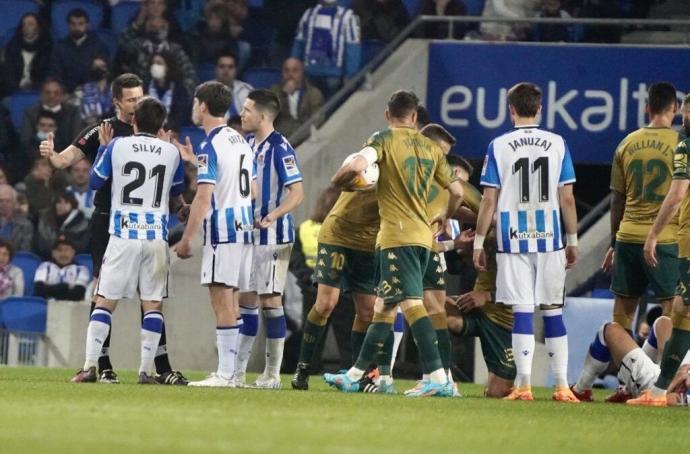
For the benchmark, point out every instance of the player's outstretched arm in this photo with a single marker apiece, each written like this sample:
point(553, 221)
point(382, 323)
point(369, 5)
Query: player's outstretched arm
point(197, 213)
point(487, 208)
point(668, 209)
point(566, 199)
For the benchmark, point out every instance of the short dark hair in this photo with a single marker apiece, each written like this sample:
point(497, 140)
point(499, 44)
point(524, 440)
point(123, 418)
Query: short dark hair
point(77, 13)
point(402, 103)
point(126, 80)
point(149, 115)
point(435, 131)
point(525, 98)
point(458, 161)
point(226, 53)
point(66, 196)
point(423, 117)
point(266, 100)
point(46, 114)
point(662, 95)
point(7, 245)
point(216, 96)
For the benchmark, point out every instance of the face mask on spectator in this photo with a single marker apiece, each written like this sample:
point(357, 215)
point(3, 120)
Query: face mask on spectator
point(54, 109)
point(42, 135)
point(98, 74)
point(158, 71)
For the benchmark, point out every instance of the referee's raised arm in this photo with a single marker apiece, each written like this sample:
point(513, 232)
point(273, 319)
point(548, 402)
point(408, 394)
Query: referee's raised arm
point(62, 160)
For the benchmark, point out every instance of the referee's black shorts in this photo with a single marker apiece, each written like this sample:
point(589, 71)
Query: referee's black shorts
point(98, 227)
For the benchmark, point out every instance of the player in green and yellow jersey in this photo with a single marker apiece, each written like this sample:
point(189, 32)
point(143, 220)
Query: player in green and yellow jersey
point(640, 178)
point(345, 260)
point(676, 350)
point(408, 163)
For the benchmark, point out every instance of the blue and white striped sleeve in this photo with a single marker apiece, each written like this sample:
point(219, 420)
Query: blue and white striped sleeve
point(207, 165)
point(102, 170)
point(490, 176)
point(178, 186)
point(286, 164)
point(567, 168)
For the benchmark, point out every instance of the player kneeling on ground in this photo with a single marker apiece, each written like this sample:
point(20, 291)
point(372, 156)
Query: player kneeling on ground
point(145, 171)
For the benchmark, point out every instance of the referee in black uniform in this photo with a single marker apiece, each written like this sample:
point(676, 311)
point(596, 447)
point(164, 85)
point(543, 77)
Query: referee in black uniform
point(126, 90)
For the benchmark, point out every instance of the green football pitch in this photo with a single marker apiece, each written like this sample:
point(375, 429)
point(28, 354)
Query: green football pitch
point(40, 411)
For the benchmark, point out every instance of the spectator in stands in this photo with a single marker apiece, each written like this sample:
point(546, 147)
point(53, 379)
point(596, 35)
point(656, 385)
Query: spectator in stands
point(40, 185)
point(159, 9)
point(238, 12)
point(94, 97)
point(8, 148)
point(63, 218)
point(3, 175)
point(11, 277)
point(600, 9)
point(299, 99)
point(45, 124)
point(61, 278)
point(80, 188)
point(504, 31)
point(214, 35)
point(14, 227)
point(441, 30)
point(381, 19)
point(553, 32)
point(165, 84)
point(328, 42)
point(283, 18)
point(226, 73)
point(138, 45)
point(22, 205)
point(26, 59)
point(73, 54)
point(66, 115)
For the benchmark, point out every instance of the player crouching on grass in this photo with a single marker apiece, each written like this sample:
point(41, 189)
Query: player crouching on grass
point(146, 171)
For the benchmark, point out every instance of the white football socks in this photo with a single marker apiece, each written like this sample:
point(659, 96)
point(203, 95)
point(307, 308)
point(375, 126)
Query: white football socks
point(151, 328)
point(226, 340)
point(523, 343)
point(556, 340)
point(96, 333)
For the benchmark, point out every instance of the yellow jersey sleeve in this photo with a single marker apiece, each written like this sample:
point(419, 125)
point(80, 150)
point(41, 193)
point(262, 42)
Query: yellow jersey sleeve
point(617, 171)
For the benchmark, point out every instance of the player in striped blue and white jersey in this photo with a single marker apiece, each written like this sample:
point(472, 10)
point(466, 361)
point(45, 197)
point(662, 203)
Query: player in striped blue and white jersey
point(528, 181)
point(279, 191)
point(222, 207)
point(145, 172)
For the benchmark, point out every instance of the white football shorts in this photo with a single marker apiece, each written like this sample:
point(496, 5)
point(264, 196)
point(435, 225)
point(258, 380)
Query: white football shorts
point(129, 265)
point(228, 264)
point(638, 372)
point(270, 268)
point(531, 279)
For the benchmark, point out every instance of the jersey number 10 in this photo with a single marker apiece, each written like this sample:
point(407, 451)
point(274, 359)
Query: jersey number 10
point(540, 165)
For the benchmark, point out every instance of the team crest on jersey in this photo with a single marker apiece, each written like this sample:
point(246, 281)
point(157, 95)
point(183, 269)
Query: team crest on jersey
point(290, 166)
point(260, 159)
point(202, 163)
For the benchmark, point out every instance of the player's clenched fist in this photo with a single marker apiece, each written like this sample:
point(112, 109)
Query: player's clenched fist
point(183, 249)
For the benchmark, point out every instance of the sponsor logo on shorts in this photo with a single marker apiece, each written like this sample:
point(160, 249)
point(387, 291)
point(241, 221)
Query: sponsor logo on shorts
point(126, 224)
point(515, 235)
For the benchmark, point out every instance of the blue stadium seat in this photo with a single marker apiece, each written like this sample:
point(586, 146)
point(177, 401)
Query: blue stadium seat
point(12, 11)
point(27, 262)
point(474, 7)
point(18, 102)
point(412, 7)
point(371, 47)
point(122, 14)
point(262, 77)
point(5, 38)
point(109, 39)
point(206, 71)
point(24, 313)
point(85, 260)
point(61, 9)
point(196, 135)
point(256, 3)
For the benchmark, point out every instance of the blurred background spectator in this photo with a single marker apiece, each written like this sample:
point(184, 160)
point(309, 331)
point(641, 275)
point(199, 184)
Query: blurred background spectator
point(14, 227)
point(442, 8)
point(26, 57)
point(79, 186)
point(62, 218)
point(72, 55)
point(506, 31)
point(213, 37)
point(159, 11)
point(11, 277)
point(553, 32)
point(40, 185)
point(165, 84)
point(94, 98)
point(328, 42)
point(299, 100)
point(381, 19)
point(61, 278)
point(226, 73)
point(53, 99)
